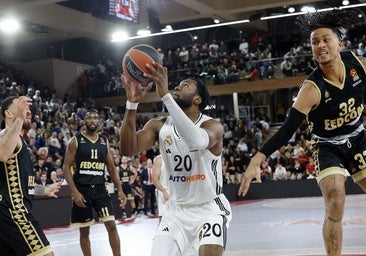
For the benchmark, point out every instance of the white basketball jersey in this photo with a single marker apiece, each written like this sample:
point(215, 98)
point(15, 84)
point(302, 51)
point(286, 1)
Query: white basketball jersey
point(163, 178)
point(194, 176)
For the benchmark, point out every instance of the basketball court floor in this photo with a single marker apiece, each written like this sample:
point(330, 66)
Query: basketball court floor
point(273, 227)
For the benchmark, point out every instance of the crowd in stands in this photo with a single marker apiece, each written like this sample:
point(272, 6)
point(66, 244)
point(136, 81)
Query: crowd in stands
point(292, 161)
point(254, 57)
point(221, 62)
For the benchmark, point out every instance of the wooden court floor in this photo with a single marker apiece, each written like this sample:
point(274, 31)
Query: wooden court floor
point(268, 227)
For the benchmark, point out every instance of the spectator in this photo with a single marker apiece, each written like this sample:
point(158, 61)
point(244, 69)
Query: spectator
point(360, 51)
point(227, 135)
point(54, 151)
point(32, 132)
point(139, 196)
point(287, 67)
point(29, 93)
point(37, 98)
point(149, 188)
point(232, 169)
point(289, 160)
point(194, 53)
point(310, 169)
point(214, 45)
point(225, 173)
point(60, 176)
point(297, 150)
point(275, 159)
point(53, 137)
point(184, 55)
point(280, 172)
point(303, 157)
point(42, 152)
point(223, 49)
point(53, 178)
point(204, 51)
point(243, 146)
point(49, 165)
point(260, 44)
point(266, 171)
point(297, 170)
point(42, 179)
point(127, 175)
point(346, 44)
point(244, 47)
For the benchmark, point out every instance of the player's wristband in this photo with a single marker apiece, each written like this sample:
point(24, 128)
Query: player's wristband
point(131, 105)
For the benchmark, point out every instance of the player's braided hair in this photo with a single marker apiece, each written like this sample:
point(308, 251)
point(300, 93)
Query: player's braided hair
point(337, 20)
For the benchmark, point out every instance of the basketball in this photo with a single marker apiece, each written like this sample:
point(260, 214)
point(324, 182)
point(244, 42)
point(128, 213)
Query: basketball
point(135, 60)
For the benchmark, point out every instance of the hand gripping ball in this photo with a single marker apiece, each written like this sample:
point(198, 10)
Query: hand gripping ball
point(135, 60)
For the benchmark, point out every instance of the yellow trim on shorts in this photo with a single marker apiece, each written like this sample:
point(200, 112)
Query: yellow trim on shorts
point(330, 171)
point(107, 218)
point(359, 176)
point(42, 252)
point(82, 224)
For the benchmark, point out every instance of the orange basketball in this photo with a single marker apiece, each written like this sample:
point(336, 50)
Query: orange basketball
point(135, 60)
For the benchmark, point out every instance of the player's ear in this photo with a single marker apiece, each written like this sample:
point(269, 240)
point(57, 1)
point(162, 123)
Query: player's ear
point(8, 113)
point(197, 100)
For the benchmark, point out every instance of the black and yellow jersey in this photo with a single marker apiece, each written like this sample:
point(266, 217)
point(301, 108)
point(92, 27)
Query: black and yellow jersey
point(339, 111)
point(17, 180)
point(125, 174)
point(90, 160)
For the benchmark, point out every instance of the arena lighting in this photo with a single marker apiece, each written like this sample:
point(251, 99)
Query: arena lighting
point(119, 36)
point(167, 28)
point(116, 39)
point(319, 10)
point(142, 32)
point(9, 25)
point(291, 9)
point(308, 9)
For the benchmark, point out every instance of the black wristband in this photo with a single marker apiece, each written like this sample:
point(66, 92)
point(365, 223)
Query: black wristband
point(284, 134)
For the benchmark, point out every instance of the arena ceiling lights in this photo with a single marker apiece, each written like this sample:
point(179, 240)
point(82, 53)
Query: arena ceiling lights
point(306, 11)
point(9, 25)
point(184, 30)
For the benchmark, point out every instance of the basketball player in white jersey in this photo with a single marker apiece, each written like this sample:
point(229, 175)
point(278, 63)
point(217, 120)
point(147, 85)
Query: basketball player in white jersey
point(160, 179)
point(190, 145)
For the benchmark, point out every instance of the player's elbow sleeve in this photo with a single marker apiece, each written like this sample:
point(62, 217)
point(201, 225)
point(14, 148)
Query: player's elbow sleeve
point(199, 140)
point(292, 122)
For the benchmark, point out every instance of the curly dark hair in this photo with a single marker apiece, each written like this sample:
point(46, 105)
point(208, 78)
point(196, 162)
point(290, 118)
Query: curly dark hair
point(203, 92)
point(338, 21)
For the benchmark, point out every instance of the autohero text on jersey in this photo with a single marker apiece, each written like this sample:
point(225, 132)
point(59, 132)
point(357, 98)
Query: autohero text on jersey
point(178, 178)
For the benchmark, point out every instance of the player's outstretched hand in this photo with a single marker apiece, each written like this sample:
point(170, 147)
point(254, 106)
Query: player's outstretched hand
point(252, 172)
